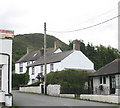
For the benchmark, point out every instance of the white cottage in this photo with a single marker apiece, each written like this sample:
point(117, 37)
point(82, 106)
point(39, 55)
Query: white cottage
point(73, 59)
point(106, 80)
point(5, 66)
point(30, 57)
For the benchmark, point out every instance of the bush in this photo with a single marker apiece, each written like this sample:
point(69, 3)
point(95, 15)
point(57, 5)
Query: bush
point(19, 79)
point(71, 81)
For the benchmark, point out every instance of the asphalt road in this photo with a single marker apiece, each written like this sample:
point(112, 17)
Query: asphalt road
point(26, 99)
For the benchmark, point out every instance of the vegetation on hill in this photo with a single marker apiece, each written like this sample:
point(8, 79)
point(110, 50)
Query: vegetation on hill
point(71, 81)
point(34, 41)
point(99, 55)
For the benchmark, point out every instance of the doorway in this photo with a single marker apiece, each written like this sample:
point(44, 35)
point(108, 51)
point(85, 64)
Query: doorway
point(112, 84)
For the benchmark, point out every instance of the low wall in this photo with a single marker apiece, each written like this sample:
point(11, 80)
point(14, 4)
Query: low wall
point(68, 95)
point(53, 90)
point(101, 98)
point(36, 89)
point(2, 97)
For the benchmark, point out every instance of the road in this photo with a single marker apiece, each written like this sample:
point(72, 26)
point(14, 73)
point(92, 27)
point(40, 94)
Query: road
point(26, 99)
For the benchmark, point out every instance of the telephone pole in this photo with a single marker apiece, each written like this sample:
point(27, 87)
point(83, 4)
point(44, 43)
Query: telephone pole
point(45, 68)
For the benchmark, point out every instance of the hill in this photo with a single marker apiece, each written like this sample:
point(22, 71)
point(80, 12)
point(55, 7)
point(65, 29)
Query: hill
point(99, 55)
point(35, 41)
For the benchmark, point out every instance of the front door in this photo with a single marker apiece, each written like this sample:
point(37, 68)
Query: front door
point(91, 85)
point(112, 84)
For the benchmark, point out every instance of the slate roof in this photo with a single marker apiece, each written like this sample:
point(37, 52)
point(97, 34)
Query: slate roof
point(34, 55)
point(55, 57)
point(111, 68)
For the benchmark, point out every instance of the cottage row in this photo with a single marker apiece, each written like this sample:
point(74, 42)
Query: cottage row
point(104, 81)
point(56, 60)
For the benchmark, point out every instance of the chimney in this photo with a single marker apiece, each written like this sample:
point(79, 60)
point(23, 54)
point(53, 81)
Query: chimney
point(29, 50)
point(76, 45)
point(42, 51)
point(57, 44)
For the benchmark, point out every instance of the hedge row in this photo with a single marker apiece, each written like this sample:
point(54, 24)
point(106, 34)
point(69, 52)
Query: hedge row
point(71, 81)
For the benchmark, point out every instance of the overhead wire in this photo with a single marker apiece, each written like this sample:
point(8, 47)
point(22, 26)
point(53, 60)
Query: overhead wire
point(84, 28)
point(98, 16)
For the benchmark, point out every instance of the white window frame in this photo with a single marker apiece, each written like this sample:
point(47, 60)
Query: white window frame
point(41, 68)
point(21, 67)
point(33, 70)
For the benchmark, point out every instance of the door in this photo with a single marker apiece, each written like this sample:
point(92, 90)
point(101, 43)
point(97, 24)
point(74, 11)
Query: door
point(112, 84)
point(90, 85)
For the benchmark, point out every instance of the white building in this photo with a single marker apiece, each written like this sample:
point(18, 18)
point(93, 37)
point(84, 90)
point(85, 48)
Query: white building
point(73, 59)
point(30, 57)
point(106, 80)
point(5, 67)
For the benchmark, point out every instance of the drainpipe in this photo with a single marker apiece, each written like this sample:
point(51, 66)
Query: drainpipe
point(8, 70)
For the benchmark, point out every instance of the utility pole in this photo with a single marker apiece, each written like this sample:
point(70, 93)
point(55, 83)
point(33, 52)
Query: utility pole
point(45, 68)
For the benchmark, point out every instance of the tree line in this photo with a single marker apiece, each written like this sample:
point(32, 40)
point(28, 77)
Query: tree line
point(99, 55)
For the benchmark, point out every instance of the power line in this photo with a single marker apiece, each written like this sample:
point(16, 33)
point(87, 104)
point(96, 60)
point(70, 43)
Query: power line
point(100, 15)
point(84, 28)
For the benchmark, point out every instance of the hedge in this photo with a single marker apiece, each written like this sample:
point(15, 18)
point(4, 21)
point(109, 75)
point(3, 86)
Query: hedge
point(71, 81)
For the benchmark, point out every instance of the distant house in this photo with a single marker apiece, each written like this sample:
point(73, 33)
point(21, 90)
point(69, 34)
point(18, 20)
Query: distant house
point(106, 80)
point(6, 37)
point(73, 59)
point(30, 57)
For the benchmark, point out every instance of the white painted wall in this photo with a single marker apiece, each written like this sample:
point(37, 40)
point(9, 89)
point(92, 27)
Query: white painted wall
point(101, 98)
point(53, 90)
point(6, 47)
point(36, 89)
point(96, 84)
point(58, 50)
point(17, 67)
point(77, 60)
point(117, 91)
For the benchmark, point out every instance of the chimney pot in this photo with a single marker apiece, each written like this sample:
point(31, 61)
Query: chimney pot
point(76, 45)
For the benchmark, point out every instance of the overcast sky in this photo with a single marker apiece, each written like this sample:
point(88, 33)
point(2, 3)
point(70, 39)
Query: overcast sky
point(28, 16)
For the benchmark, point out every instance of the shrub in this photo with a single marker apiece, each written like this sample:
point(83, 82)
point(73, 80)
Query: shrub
point(71, 81)
point(19, 79)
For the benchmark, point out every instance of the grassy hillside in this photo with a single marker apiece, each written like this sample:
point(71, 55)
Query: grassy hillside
point(36, 41)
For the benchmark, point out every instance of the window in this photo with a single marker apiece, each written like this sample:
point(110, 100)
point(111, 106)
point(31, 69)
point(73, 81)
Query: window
point(118, 81)
point(33, 70)
point(41, 69)
point(51, 67)
point(113, 81)
point(28, 62)
point(101, 80)
point(0, 78)
point(33, 80)
point(21, 67)
point(104, 80)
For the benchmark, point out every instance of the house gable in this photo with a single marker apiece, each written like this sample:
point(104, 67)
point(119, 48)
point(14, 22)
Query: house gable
point(77, 60)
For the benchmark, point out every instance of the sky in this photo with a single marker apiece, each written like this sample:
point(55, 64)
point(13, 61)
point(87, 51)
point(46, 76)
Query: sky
point(62, 16)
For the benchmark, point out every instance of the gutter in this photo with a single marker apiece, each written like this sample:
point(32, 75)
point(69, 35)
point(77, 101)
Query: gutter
point(8, 70)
